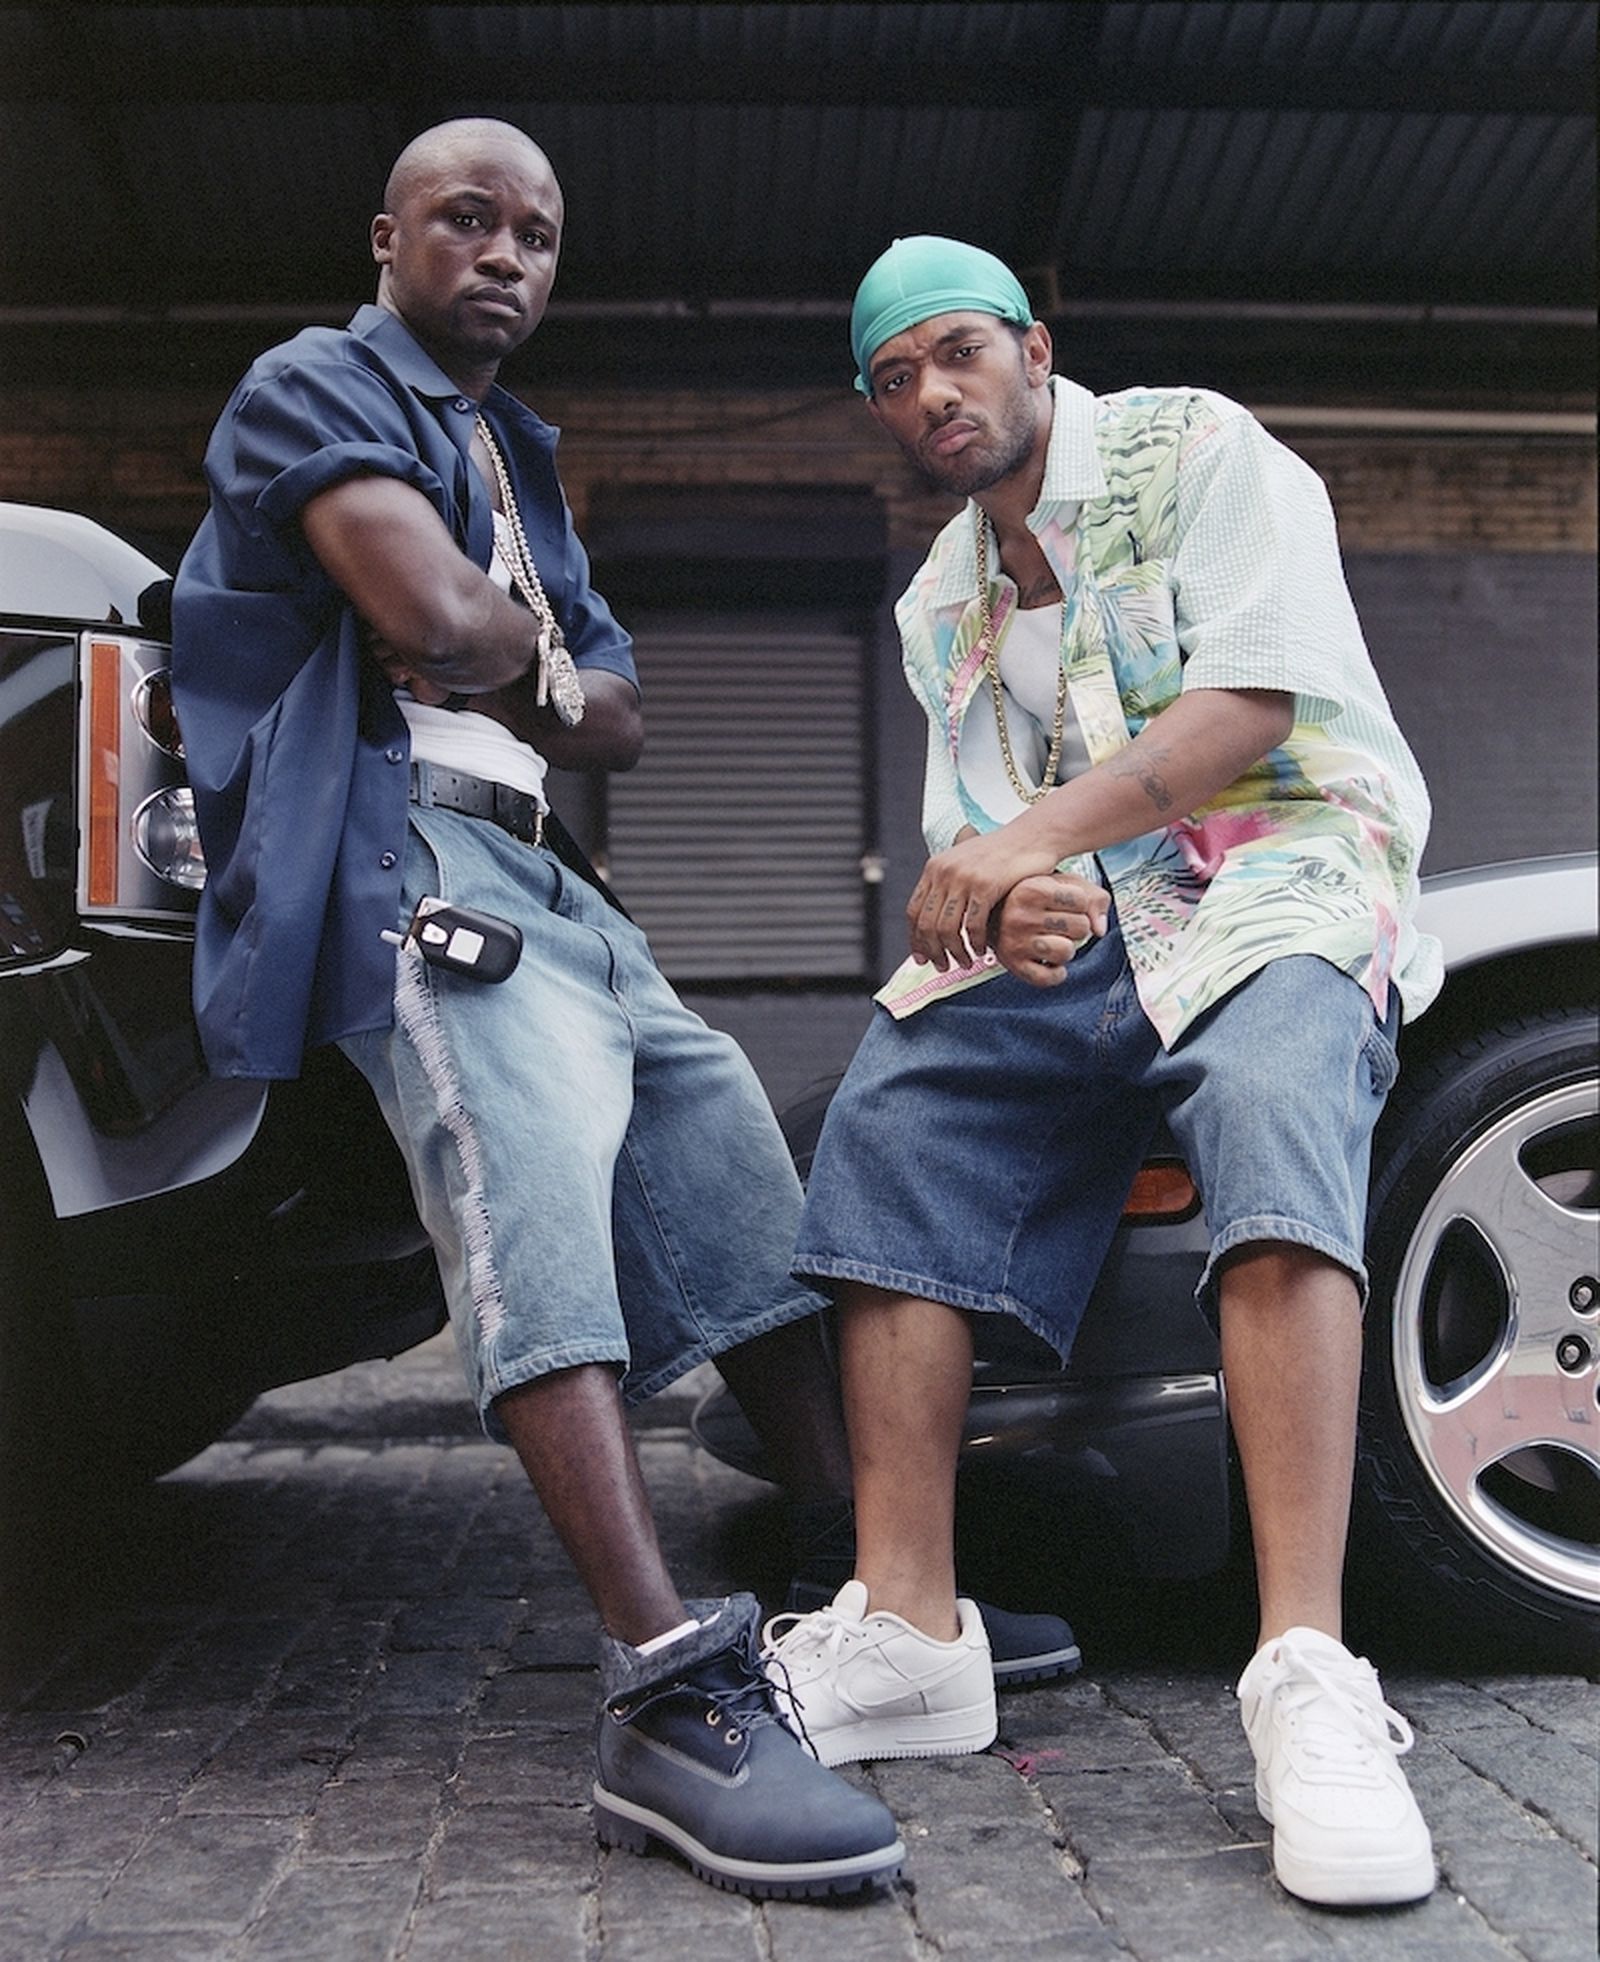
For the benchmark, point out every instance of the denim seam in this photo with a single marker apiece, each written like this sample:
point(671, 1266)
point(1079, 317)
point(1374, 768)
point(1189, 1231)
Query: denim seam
point(441, 881)
point(544, 1361)
point(535, 1363)
point(923, 1287)
point(657, 1218)
point(1274, 1230)
point(1121, 997)
point(417, 1015)
point(709, 1348)
point(1027, 1190)
point(685, 1292)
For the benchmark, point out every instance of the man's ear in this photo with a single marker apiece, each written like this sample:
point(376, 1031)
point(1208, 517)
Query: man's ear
point(1038, 353)
point(873, 410)
point(382, 238)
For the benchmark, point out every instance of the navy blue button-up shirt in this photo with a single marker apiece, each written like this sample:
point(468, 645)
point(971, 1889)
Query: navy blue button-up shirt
point(290, 729)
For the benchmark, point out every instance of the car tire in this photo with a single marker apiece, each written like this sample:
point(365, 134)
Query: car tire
point(1478, 1488)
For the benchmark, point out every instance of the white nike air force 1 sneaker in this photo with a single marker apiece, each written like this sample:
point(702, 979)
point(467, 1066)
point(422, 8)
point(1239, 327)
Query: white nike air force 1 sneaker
point(1346, 1830)
point(865, 1685)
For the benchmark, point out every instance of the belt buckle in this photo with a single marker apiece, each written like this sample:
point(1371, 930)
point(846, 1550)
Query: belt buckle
point(518, 813)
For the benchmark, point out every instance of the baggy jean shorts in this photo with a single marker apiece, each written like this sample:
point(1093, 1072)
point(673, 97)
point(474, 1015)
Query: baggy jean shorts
point(979, 1152)
point(600, 1173)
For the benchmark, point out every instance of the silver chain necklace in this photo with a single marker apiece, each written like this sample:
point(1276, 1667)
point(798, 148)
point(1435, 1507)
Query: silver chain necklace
point(558, 682)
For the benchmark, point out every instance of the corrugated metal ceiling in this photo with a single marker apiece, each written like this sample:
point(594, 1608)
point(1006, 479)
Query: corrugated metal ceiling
point(1135, 156)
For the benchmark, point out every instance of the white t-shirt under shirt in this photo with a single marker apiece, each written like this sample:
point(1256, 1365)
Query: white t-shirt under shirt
point(464, 740)
point(1030, 673)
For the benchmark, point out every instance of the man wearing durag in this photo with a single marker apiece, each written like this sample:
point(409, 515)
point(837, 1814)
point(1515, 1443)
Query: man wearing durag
point(1173, 836)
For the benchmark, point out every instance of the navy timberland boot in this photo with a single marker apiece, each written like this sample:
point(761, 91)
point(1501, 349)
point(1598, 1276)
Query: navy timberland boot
point(694, 1755)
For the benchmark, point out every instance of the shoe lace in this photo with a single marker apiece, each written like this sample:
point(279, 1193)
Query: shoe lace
point(787, 1637)
point(1341, 1711)
point(742, 1703)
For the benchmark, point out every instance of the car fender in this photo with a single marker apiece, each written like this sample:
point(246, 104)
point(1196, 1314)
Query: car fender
point(1489, 911)
point(88, 1169)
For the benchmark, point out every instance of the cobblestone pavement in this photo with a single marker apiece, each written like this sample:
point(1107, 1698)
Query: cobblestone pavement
point(330, 1701)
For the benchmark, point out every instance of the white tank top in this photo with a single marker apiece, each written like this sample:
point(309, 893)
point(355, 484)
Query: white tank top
point(1030, 671)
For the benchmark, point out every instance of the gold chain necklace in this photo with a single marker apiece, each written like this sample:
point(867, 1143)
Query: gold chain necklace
point(991, 663)
point(558, 681)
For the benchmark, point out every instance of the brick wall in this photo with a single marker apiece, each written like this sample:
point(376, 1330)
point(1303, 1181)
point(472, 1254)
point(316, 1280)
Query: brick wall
point(1500, 493)
point(132, 459)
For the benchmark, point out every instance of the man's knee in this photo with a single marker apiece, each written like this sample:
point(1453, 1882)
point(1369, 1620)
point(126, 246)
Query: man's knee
point(1274, 1273)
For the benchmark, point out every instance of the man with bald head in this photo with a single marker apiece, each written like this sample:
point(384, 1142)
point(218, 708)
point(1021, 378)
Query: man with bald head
point(1173, 836)
point(384, 633)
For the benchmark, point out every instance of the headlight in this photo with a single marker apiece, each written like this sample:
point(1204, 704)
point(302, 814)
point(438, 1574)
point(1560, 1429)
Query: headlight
point(152, 704)
point(167, 838)
point(139, 851)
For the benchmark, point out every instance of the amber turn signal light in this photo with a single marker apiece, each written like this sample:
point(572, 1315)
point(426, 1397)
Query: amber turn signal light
point(1162, 1190)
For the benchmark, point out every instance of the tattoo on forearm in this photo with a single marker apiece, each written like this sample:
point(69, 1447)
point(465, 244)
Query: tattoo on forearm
point(1146, 770)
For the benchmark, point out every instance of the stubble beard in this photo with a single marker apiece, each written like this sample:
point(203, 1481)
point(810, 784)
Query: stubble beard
point(983, 464)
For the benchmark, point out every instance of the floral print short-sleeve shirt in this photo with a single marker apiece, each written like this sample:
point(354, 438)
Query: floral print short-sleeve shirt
point(1193, 550)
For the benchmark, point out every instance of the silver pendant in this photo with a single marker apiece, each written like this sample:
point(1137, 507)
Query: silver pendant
point(558, 677)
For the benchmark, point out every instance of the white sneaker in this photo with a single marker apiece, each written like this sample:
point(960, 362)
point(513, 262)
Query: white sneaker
point(1346, 1830)
point(872, 1686)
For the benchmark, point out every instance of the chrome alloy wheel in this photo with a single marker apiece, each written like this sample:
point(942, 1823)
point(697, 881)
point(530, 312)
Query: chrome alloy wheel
point(1496, 1340)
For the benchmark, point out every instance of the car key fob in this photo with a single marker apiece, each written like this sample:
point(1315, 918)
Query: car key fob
point(462, 939)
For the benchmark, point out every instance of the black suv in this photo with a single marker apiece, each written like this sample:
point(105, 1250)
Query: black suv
point(170, 1245)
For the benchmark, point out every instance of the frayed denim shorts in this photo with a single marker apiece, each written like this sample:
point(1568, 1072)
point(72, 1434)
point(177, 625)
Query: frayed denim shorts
point(979, 1151)
point(600, 1173)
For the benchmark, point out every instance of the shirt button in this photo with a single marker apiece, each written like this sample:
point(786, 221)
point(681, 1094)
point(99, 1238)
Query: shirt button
point(462, 406)
point(394, 756)
point(389, 861)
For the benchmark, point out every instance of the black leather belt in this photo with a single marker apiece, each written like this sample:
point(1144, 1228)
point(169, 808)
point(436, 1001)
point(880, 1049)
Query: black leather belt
point(515, 811)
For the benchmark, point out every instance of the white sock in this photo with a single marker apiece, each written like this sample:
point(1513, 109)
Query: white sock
point(657, 1642)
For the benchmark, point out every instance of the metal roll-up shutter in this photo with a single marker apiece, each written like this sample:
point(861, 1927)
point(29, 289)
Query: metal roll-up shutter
point(737, 841)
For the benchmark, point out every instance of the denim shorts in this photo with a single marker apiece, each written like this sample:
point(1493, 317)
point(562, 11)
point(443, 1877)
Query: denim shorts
point(600, 1173)
point(979, 1152)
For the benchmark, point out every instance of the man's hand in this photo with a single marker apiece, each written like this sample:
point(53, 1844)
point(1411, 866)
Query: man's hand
point(948, 913)
point(1043, 922)
point(401, 674)
point(610, 736)
point(1178, 762)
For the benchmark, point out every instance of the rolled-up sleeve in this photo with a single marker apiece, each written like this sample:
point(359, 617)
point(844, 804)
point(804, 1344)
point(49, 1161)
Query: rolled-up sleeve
point(301, 432)
point(1260, 595)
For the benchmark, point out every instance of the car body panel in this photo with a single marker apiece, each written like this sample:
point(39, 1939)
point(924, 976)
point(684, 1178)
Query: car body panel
point(38, 837)
point(90, 1167)
point(1489, 911)
point(58, 565)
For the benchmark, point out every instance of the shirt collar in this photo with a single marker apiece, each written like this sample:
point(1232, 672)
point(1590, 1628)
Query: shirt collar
point(404, 355)
point(1072, 475)
point(414, 368)
point(1072, 469)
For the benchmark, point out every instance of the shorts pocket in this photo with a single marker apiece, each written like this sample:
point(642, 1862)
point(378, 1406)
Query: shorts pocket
point(1381, 1061)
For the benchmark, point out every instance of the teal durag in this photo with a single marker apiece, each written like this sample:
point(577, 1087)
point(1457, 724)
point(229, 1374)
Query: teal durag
point(920, 277)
